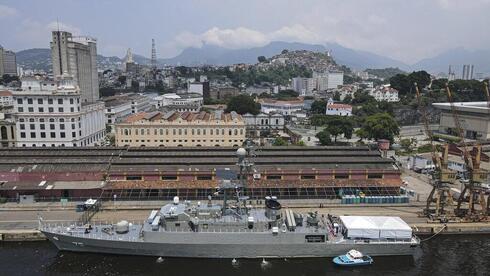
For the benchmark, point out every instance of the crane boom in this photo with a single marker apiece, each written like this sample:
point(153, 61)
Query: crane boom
point(459, 129)
point(435, 156)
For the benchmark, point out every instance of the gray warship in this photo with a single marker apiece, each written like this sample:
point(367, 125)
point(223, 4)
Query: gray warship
point(233, 229)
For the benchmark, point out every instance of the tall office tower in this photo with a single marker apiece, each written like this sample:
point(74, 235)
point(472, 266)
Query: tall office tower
point(153, 54)
point(8, 62)
point(1, 61)
point(76, 57)
point(471, 71)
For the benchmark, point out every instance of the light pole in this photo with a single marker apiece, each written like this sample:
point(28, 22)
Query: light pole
point(115, 197)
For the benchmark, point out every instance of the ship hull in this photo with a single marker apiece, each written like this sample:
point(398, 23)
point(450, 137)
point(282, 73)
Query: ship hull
point(225, 250)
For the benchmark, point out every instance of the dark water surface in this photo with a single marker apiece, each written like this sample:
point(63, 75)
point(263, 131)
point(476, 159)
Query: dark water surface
point(443, 255)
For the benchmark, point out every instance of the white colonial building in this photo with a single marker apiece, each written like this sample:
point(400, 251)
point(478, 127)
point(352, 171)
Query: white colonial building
point(282, 107)
point(385, 93)
point(260, 124)
point(173, 99)
point(51, 113)
point(338, 109)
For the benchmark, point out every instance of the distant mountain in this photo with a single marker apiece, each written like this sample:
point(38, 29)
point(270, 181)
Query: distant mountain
point(456, 57)
point(215, 55)
point(37, 58)
point(358, 59)
point(40, 59)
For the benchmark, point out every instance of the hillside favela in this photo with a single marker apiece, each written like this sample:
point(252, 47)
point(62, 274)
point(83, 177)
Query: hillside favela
point(244, 137)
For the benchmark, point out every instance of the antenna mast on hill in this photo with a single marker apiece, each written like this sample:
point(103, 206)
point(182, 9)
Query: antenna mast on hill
point(153, 54)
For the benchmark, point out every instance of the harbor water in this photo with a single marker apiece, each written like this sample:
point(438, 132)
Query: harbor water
point(442, 255)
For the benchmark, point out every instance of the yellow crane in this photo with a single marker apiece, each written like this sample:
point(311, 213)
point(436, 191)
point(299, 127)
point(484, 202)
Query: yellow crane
point(440, 195)
point(475, 175)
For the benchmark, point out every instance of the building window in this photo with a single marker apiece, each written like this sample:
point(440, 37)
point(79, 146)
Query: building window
point(60, 109)
point(20, 109)
point(22, 126)
point(43, 134)
point(308, 176)
point(71, 101)
point(62, 126)
point(50, 101)
point(72, 109)
point(19, 101)
point(169, 177)
point(33, 135)
point(342, 176)
point(52, 134)
point(72, 126)
point(134, 177)
point(29, 101)
point(73, 134)
point(273, 177)
point(42, 126)
point(40, 101)
point(375, 176)
point(204, 177)
point(51, 126)
point(50, 110)
point(32, 126)
point(62, 135)
point(22, 135)
point(41, 110)
point(30, 109)
point(60, 101)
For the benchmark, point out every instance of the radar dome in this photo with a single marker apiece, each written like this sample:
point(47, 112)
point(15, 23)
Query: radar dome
point(241, 152)
point(122, 227)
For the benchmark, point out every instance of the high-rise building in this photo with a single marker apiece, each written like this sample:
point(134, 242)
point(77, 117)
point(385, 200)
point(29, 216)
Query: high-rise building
point(76, 57)
point(8, 62)
point(51, 114)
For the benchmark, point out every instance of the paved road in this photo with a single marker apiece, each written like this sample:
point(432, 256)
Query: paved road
point(28, 219)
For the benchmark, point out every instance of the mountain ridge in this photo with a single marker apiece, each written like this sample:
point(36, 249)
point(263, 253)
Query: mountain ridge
point(39, 58)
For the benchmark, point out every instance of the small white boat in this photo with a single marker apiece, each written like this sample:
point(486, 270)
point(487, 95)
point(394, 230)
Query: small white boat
point(353, 258)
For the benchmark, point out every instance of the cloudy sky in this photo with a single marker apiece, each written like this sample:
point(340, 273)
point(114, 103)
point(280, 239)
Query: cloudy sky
point(408, 30)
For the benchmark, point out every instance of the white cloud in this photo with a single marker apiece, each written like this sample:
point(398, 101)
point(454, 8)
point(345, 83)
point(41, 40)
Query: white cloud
point(6, 11)
point(239, 38)
point(37, 34)
point(56, 25)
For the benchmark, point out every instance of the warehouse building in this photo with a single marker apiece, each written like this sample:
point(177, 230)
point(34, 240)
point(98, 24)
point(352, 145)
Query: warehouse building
point(191, 173)
point(474, 119)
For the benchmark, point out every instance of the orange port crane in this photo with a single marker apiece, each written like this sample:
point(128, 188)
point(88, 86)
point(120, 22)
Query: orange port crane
point(475, 175)
point(442, 177)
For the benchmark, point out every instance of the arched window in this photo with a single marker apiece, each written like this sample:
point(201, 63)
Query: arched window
point(4, 133)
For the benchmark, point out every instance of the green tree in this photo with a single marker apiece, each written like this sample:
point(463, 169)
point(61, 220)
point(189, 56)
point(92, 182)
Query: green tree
point(347, 99)
point(381, 126)
point(279, 142)
point(340, 125)
point(287, 94)
point(408, 144)
point(243, 104)
point(318, 107)
point(324, 137)
point(262, 59)
point(362, 134)
point(336, 96)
